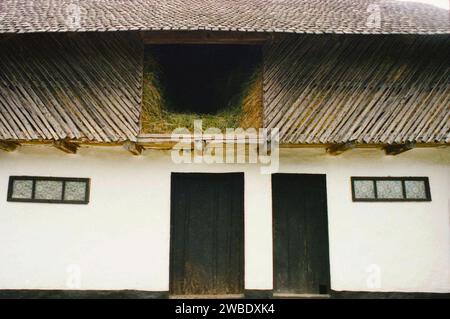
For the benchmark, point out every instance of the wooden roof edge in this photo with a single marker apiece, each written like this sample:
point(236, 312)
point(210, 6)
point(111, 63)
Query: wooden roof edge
point(165, 142)
point(205, 37)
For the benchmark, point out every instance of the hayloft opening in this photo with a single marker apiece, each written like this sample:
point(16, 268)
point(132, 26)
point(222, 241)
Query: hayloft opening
point(220, 84)
point(203, 79)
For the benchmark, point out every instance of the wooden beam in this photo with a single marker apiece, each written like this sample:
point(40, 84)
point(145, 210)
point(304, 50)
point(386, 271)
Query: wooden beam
point(133, 148)
point(168, 139)
point(8, 146)
point(396, 149)
point(204, 37)
point(65, 146)
point(337, 149)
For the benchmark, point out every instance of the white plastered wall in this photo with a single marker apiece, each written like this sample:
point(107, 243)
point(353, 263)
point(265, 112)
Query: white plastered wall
point(120, 240)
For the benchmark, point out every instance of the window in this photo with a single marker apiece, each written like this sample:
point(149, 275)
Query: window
point(385, 189)
point(48, 190)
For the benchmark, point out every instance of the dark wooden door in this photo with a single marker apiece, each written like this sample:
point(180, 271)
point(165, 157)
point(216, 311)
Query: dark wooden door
point(301, 254)
point(207, 234)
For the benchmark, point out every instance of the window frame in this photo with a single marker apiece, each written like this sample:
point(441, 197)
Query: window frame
point(12, 179)
point(402, 179)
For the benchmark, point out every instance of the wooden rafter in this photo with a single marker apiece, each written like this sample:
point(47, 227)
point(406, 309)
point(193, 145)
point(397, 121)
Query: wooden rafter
point(396, 149)
point(337, 149)
point(133, 148)
point(8, 146)
point(66, 146)
point(204, 37)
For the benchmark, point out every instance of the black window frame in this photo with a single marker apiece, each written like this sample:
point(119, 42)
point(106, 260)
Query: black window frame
point(12, 179)
point(401, 179)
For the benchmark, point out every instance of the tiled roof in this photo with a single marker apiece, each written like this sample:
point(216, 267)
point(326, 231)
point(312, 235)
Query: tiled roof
point(298, 16)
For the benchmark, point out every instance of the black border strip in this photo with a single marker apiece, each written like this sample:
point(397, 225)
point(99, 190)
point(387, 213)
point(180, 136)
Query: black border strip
point(249, 294)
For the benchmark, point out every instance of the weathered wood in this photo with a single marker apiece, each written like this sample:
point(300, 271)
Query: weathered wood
point(204, 37)
point(207, 234)
point(300, 228)
point(337, 149)
point(383, 90)
point(162, 144)
point(87, 87)
point(317, 89)
point(8, 146)
point(168, 139)
point(396, 149)
point(133, 148)
point(66, 146)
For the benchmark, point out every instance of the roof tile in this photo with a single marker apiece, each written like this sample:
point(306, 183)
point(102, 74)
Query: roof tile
point(300, 16)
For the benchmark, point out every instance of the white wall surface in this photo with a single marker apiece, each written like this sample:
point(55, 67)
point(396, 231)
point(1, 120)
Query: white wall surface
point(120, 240)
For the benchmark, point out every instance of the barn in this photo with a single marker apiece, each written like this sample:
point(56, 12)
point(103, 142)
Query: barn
point(248, 148)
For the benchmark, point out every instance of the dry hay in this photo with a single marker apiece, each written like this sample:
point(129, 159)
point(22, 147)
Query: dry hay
point(245, 111)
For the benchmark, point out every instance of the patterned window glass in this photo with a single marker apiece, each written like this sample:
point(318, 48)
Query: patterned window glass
point(415, 189)
point(364, 189)
point(38, 189)
point(22, 189)
point(389, 189)
point(384, 189)
point(75, 191)
point(51, 190)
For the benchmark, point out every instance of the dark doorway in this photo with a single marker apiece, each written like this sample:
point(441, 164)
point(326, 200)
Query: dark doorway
point(207, 234)
point(300, 225)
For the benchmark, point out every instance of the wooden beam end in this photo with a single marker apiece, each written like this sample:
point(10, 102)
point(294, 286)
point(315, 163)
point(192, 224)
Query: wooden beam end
point(395, 149)
point(133, 148)
point(8, 146)
point(66, 146)
point(337, 149)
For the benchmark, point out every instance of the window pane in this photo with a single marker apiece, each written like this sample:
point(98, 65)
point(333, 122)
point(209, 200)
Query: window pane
point(50, 190)
point(390, 189)
point(364, 189)
point(415, 189)
point(75, 191)
point(22, 189)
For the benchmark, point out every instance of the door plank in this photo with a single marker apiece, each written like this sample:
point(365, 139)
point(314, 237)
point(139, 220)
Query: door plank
point(301, 253)
point(207, 234)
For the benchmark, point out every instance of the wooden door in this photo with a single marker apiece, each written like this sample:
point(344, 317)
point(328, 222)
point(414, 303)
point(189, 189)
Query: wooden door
point(207, 234)
point(301, 254)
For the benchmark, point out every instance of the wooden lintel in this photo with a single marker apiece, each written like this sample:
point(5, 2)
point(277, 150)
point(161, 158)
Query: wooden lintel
point(396, 149)
point(337, 149)
point(8, 146)
point(65, 146)
point(133, 148)
point(166, 139)
point(204, 37)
